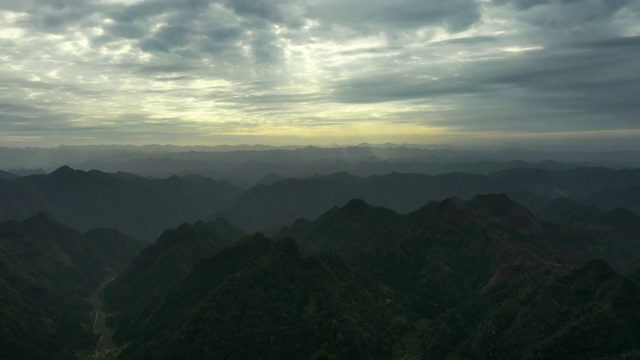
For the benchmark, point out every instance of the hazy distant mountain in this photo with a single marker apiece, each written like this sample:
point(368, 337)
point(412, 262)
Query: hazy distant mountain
point(267, 208)
point(26, 172)
point(248, 168)
point(245, 165)
point(136, 292)
point(47, 272)
point(48, 157)
point(477, 279)
point(129, 202)
point(7, 175)
point(269, 179)
point(145, 207)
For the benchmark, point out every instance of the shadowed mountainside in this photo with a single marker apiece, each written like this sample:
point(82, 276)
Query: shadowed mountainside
point(133, 295)
point(613, 234)
point(47, 272)
point(477, 279)
point(134, 204)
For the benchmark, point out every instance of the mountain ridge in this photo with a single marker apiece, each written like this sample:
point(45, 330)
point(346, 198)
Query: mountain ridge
point(132, 203)
point(416, 285)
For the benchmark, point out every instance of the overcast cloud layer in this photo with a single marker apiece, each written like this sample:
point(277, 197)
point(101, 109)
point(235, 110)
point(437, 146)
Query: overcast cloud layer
point(320, 71)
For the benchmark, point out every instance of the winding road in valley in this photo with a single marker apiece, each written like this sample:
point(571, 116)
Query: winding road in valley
point(104, 350)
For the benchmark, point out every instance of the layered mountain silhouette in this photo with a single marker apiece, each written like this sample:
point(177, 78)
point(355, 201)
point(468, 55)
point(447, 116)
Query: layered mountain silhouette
point(370, 252)
point(395, 266)
point(47, 273)
point(144, 207)
point(269, 207)
point(485, 278)
point(134, 204)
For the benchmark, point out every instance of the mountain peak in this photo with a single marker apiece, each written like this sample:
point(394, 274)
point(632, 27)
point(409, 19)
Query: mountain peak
point(447, 203)
point(443, 213)
point(440, 206)
point(495, 205)
point(43, 216)
point(500, 208)
point(598, 268)
point(356, 204)
point(62, 170)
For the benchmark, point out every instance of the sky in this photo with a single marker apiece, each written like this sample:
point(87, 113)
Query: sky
point(533, 73)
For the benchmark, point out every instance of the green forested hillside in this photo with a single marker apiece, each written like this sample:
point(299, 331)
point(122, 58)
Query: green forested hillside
point(483, 279)
point(47, 273)
point(479, 279)
point(132, 297)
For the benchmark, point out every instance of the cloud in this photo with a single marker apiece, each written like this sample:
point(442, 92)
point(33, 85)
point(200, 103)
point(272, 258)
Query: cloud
point(455, 15)
point(194, 67)
point(587, 85)
point(565, 14)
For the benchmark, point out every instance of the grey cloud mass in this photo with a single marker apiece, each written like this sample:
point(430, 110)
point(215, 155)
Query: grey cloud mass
point(317, 71)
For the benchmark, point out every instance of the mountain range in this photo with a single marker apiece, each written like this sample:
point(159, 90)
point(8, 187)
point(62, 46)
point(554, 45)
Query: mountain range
point(520, 263)
point(245, 165)
point(485, 278)
point(269, 207)
point(139, 206)
point(144, 207)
